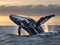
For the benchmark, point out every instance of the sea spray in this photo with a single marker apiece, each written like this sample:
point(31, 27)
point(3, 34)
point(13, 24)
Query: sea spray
point(45, 27)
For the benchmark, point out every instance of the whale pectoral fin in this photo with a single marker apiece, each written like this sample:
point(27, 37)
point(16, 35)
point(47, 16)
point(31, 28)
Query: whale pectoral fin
point(41, 21)
point(19, 30)
point(44, 19)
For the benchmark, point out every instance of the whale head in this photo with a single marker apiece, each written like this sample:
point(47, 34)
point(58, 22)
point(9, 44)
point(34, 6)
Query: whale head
point(15, 19)
point(23, 21)
point(12, 17)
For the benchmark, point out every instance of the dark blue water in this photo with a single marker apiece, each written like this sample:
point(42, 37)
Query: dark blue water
point(8, 37)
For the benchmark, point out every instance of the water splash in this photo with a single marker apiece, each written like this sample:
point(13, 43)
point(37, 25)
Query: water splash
point(45, 27)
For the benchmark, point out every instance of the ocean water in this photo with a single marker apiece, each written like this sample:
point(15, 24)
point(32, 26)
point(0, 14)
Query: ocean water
point(8, 36)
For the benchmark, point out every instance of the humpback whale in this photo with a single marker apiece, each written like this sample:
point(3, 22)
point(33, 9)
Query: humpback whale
point(30, 25)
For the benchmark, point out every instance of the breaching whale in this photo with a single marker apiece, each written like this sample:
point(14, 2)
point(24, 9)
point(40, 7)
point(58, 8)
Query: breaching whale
point(30, 25)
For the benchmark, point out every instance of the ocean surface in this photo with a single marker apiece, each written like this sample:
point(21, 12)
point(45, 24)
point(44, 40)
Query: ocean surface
point(8, 36)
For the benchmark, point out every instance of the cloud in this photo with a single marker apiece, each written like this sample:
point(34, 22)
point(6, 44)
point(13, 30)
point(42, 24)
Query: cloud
point(31, 10)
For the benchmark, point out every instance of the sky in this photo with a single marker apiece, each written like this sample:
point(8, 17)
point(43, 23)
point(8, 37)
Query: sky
point(29, 2)
point(33, 8)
